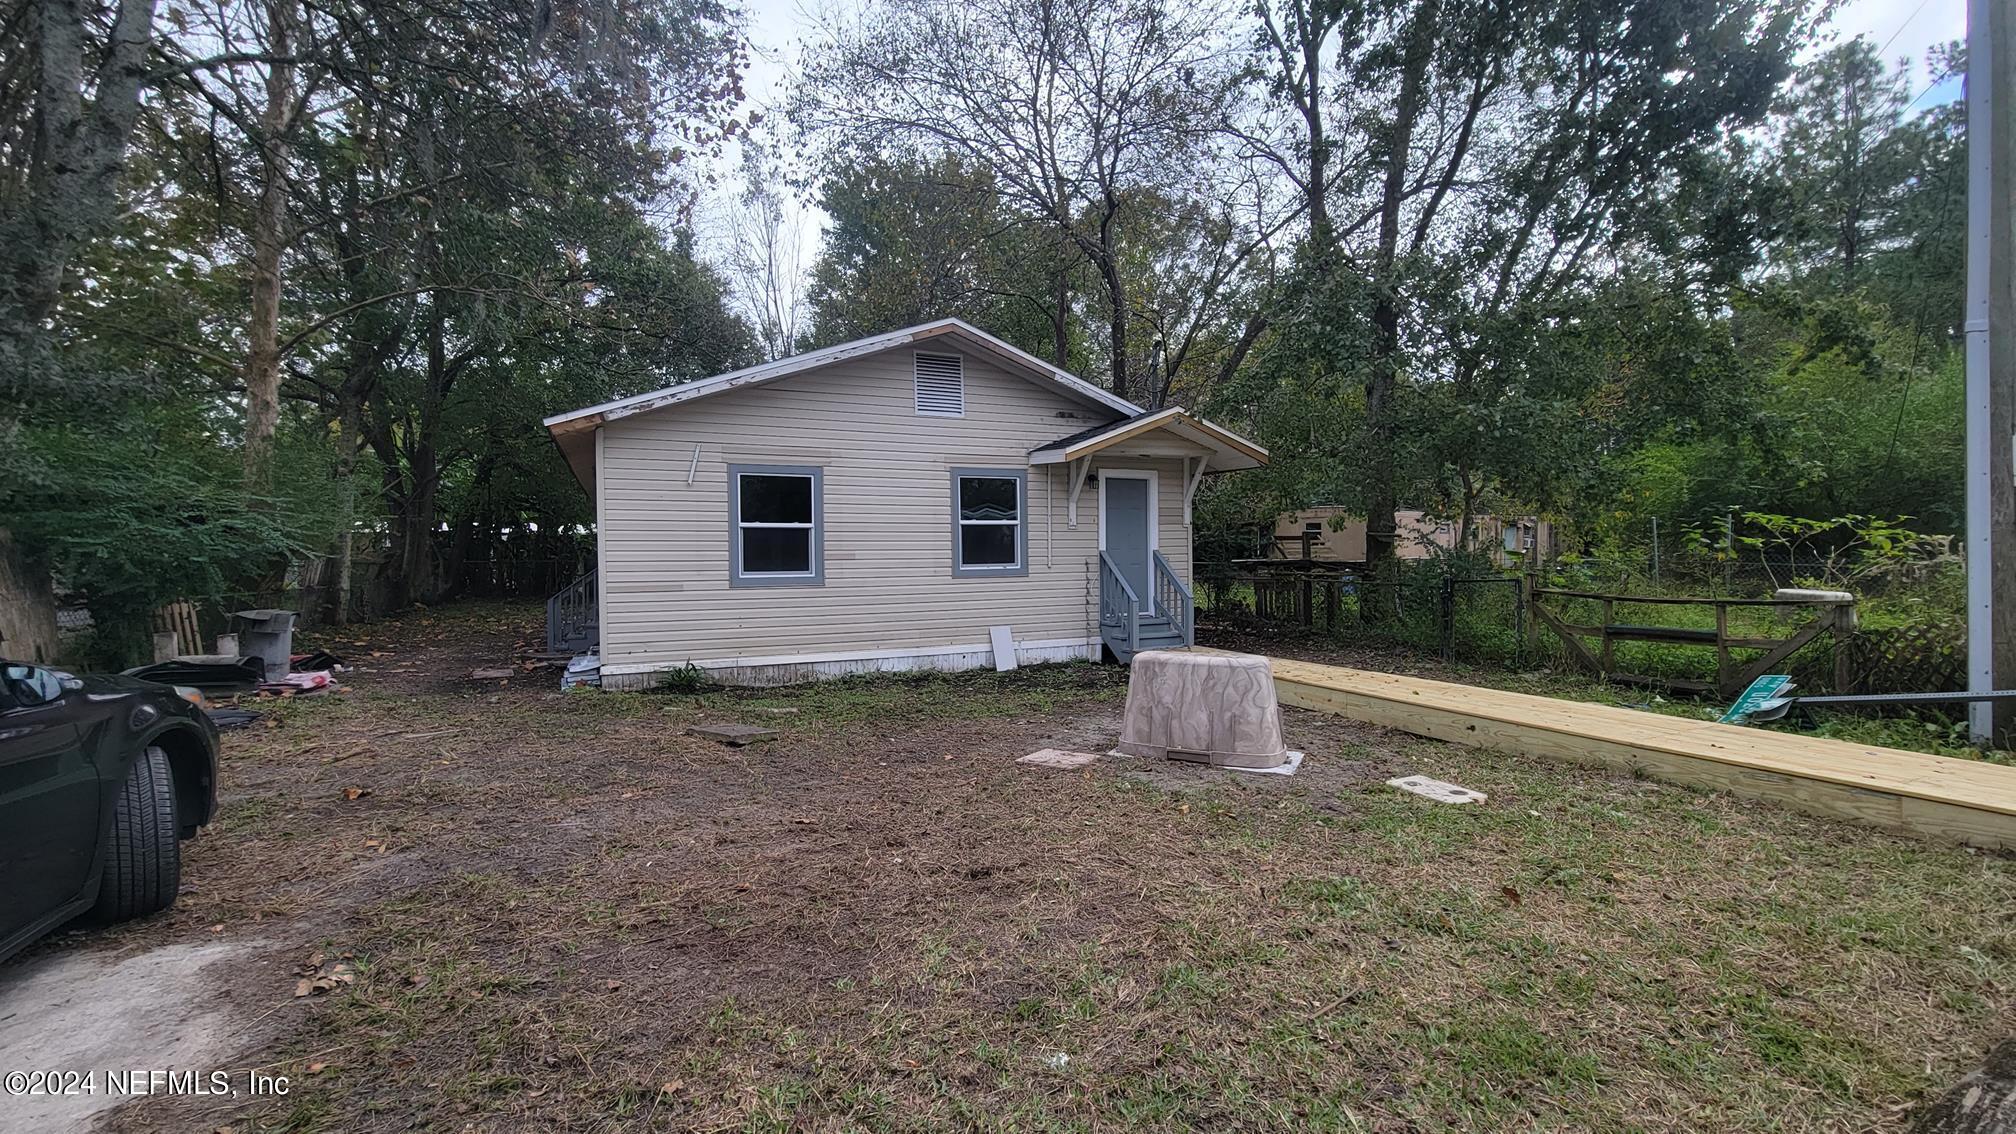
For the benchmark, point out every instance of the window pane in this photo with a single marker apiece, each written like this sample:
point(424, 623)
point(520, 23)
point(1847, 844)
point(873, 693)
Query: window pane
point(987, 545)
point(776, 499)
point(987, 498)
point(776, 550)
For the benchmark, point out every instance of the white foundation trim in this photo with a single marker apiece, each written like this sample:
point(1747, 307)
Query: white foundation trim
point(1022, 649)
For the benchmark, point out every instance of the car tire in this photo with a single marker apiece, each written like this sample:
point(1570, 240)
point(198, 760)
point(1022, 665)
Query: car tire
point(143, 856)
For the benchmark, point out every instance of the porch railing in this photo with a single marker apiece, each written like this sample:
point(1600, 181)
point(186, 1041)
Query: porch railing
point(1173, 600)
point(572, 621)
point(1119, 608)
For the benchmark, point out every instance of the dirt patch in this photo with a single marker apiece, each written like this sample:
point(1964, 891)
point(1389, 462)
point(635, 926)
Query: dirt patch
point(428, 651)
point(563, 914)
point(99, 1014)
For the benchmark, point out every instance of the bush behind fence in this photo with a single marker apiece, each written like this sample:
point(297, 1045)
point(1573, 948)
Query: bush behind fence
point(1481, 617)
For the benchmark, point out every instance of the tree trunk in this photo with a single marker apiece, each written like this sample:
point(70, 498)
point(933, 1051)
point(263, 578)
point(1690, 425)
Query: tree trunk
point(1382, 489)
point(1468, 483)
point(415, 526)
point(346, 489)
point(269, 218)
point(27, 606)
point(1316, 193)
point(454, 577)
point(1116, 299)
point(80, 151)
point(1060, 321)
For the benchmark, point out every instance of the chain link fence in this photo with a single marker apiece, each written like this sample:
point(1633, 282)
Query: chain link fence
point(1459, 616)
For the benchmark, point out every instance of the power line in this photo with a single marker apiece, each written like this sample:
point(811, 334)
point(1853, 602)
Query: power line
point(1901, 27)
point(1929, 88)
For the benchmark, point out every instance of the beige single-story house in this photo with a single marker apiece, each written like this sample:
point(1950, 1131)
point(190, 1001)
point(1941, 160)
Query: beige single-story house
point(931, 498)
point(1332, 532)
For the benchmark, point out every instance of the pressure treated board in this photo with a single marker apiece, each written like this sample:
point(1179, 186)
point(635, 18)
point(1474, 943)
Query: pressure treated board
point(1936, 796)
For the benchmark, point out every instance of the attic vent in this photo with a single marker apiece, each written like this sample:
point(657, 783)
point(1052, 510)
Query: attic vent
point(941, 385)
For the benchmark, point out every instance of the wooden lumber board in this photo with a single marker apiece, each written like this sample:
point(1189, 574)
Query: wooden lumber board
point(1963, 800)
point(1675, 600)
point(1938, 777)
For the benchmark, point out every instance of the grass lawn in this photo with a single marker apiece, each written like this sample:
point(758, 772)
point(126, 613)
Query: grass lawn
point(561, 914)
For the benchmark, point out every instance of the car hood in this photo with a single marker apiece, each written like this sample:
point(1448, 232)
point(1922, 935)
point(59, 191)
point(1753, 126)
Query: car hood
point(107, 685)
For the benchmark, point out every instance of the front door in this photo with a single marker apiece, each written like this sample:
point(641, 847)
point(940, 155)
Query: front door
point(1126, 530)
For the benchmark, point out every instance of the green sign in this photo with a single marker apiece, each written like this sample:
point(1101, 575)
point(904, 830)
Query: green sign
point(1763, 695)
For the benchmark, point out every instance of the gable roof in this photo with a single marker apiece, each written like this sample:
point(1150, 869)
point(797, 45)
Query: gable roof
point(951, 332)
point(1228, 450)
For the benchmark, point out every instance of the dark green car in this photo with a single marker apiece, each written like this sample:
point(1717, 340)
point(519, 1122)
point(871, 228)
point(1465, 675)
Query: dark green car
point(100, 780)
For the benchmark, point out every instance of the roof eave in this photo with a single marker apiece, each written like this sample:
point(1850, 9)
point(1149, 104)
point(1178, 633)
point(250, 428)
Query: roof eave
point(973, 338)
point(1230, 452)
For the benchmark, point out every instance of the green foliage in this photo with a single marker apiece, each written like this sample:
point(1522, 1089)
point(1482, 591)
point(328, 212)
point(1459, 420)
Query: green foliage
point(688, 678)
point(475, 215)
point(913, 239)
point(128, 524)
point(1841, 550)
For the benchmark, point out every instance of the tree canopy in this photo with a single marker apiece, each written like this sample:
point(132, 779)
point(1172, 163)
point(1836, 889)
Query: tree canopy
point(317, 272)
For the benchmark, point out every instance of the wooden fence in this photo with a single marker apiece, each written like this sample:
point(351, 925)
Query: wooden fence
point(1732, 674)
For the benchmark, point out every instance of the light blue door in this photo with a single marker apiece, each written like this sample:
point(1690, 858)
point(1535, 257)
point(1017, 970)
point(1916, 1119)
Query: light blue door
point(1127, 515)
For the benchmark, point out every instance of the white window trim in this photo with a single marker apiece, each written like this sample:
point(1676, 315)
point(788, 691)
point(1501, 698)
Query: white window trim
point(1020, 523)
point(737, 577)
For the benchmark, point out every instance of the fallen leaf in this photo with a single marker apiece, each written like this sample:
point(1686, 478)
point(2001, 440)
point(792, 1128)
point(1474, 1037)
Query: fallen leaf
point(614, 985)
point(218, 928)
point(303, 987)
point(1510, 895)
point(316, 1068)
point(315, 959)
point(356, 792)
point(673, 1087)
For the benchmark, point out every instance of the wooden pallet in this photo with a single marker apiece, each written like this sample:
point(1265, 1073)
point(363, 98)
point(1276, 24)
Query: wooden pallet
point(1936, 796)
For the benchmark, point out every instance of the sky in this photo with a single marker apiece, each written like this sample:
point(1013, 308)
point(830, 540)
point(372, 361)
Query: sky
point(778, 28)
point(1903, 29)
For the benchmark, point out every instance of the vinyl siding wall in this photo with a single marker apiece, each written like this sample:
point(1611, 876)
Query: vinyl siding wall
point(889, 588)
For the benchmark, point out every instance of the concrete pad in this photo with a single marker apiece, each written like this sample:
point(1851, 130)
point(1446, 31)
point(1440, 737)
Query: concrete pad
point(89, 1012)
point(1291, 761)
point(1057, 758)
point(1438, 790)
point(733, 735)
point(1287, 767)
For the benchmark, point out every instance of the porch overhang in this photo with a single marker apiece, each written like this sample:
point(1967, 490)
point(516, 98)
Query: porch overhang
point(1173, 432)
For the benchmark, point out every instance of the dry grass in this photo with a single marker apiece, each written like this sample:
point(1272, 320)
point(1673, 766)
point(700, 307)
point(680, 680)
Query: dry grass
point(564, 915)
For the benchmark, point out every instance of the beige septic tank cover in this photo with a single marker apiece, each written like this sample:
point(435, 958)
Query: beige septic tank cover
point(1218, 708)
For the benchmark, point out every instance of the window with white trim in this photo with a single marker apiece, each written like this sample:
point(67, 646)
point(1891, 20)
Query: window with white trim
point(940, 381)
point(988, 534)
point(775, 521)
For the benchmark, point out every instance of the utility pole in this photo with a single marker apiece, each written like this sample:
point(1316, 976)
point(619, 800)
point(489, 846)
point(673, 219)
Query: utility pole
point(1990, 325)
